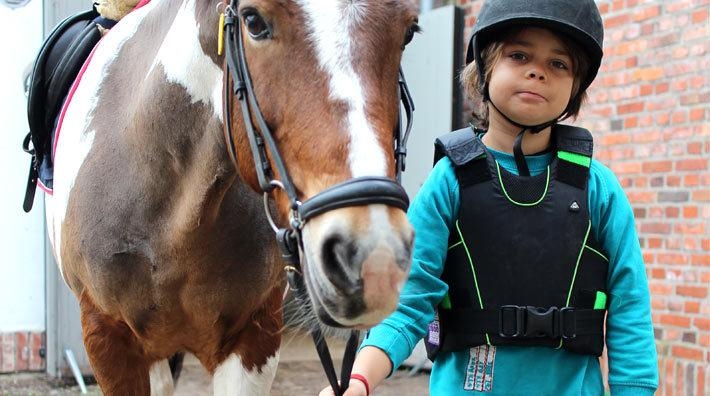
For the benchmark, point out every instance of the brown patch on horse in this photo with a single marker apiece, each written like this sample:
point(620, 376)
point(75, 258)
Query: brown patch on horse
point(118, 361)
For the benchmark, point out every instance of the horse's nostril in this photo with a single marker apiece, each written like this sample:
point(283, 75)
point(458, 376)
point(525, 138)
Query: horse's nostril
point(339, 261)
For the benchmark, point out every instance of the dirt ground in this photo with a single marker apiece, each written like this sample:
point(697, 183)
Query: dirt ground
point(299, 373)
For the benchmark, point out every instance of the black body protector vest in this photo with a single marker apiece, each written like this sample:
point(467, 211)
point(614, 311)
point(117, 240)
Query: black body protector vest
point(523, 267)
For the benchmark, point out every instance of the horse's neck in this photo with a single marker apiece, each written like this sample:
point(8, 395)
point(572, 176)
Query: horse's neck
point(174, 123)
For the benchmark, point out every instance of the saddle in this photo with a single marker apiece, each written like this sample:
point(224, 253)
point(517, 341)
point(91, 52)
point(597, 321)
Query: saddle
point(56, 67)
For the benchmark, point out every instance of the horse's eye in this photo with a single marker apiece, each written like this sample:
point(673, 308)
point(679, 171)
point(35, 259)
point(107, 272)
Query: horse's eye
point(410, 33)
point(257, 27)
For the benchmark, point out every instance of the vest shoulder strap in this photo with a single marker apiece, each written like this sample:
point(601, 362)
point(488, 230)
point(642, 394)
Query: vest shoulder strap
point(461, 146)
point(574, 139)
point(574, 150)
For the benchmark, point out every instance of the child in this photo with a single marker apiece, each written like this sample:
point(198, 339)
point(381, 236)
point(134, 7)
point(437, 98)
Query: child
point(523, 242)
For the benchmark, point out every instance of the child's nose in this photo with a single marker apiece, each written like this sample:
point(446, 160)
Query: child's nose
point(536, 75)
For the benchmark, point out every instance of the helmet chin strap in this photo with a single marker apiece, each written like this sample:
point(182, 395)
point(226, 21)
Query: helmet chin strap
point(520, 162)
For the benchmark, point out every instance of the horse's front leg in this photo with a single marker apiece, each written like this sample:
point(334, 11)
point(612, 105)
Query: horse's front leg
point(250, 367)
point(117, 358)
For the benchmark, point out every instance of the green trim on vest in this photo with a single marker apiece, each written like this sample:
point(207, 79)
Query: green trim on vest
point(505, 192)
point(596, 251)
point(473, 270)
point(576, 268)
point(599, 301)
point(446, 302)
point(575, 158)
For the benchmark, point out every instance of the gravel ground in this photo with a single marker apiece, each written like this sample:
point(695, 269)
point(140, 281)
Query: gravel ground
point(299, 373)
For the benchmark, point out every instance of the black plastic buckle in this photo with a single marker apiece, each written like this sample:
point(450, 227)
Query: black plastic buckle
point(541, 322)
point(532, 322)
point(568, 323)
point(517, 314)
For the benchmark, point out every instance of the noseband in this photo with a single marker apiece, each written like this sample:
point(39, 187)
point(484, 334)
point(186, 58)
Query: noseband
point(354, 192)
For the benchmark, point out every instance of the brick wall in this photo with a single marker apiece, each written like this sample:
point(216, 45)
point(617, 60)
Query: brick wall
point(649, 115)
point(22, 351)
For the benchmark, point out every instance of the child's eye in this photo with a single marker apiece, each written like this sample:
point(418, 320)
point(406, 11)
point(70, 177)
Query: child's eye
point(558, 64)
point(518, 56)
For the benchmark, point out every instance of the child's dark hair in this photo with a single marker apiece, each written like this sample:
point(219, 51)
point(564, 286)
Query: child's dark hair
point(492, 53)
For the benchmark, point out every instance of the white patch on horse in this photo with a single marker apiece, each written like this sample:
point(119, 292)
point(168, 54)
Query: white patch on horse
point(75, 141)
point(186, 64)
point(232, 378)
point(161, 380)
point(330, 23)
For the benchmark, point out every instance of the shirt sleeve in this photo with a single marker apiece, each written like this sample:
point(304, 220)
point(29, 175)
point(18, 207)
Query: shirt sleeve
point(629, 331)
point(431, 214)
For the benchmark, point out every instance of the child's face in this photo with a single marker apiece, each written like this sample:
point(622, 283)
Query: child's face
point(532, 81)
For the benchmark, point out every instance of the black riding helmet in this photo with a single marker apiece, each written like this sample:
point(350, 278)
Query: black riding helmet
point(578, 19)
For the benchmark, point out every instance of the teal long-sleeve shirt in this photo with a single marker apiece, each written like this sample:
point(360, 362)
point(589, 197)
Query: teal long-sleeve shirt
point(527, 370)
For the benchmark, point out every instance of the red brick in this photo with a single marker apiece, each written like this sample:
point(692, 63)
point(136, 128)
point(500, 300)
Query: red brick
point(689, 228)
point(702, 323)
point(680, 374)
point(22, 352)
point(656, 228)
point(7, 342)
point(692, 164)
point(631, 122)
point(635, 107)
point(690, 212)
point(687, 353)
point(648, 74)
point(700, 259)
point(691, 306)
point(657, 166)
point(673, 180)
point(692, 291)
point(672, 212)
point(697, 114)
point(673, 258)
point(701, 195)
point(691, 180)
point(700, 16)
point(674, 320)
point(650, 12)
point(660, 288)
point(37, 363)
point(700, 390)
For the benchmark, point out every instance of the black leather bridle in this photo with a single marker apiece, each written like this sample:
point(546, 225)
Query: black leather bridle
point(353, 192)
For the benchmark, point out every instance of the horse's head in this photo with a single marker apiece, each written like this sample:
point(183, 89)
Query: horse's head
point(325, 76)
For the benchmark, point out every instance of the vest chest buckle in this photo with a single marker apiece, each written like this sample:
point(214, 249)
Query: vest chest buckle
point(516, 321)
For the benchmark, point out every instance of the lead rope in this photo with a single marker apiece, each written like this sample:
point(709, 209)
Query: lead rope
point(297, 285)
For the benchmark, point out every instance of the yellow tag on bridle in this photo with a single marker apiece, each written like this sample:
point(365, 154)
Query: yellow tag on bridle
point(220, 35)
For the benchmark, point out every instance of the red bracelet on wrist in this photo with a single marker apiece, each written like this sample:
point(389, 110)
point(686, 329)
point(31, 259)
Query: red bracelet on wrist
point(362, 379)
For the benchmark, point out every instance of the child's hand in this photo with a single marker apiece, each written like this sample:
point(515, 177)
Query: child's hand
point(356, 388)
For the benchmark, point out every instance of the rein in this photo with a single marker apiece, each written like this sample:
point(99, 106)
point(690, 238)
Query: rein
point(353, 192)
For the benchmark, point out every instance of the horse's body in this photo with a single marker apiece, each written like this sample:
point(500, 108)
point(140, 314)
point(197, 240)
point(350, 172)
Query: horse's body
point(165, 243)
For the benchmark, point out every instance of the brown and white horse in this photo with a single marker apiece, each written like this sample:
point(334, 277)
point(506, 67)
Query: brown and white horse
point(165, 241)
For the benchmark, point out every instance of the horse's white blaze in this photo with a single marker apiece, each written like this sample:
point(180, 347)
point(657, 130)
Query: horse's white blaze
point(74, 140)
point(161, 380)
point(232, 378)
point(186, 64)
point(330, 23)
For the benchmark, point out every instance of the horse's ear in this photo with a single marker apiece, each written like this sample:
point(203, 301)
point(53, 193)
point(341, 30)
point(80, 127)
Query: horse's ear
point(115, 9)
